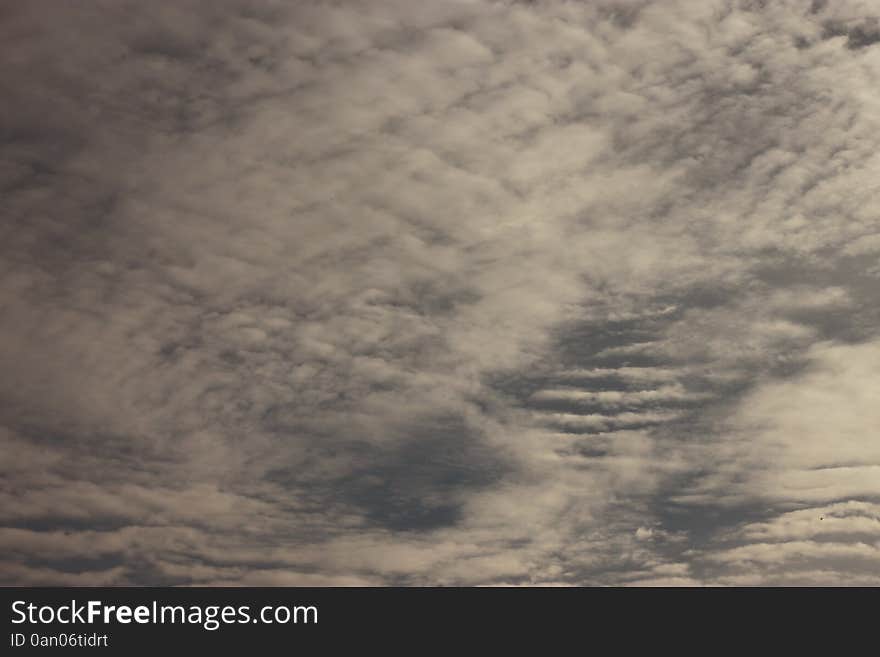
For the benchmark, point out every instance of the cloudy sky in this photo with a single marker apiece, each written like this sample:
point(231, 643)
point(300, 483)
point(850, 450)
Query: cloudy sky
point(471, 292)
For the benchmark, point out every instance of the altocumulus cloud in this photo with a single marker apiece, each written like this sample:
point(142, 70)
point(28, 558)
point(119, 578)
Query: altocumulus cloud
point(440, 293)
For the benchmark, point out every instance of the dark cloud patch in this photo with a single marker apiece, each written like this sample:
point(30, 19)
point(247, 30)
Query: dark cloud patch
point(859, 35)
point(416, 482)
point(816, 6)
point(623, 15)
point(421, 484)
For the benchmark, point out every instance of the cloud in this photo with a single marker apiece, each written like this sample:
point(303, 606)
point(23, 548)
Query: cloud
point(465, 294)
point(803, 449)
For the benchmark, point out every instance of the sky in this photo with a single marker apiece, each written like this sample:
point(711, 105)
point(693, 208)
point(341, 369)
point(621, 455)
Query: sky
point(464, 292)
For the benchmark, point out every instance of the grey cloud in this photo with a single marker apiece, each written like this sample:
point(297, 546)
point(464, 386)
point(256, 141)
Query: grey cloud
point(474, 292)
point(859, 35)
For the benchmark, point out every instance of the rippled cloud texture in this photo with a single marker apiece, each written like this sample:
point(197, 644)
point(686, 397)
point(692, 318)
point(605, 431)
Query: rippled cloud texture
point(440, 292)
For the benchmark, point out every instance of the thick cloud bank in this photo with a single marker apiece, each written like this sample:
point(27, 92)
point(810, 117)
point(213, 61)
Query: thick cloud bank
point(440, 293)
